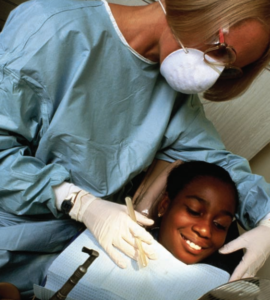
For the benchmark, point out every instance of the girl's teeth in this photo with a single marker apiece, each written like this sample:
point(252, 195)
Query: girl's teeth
point(194, 246)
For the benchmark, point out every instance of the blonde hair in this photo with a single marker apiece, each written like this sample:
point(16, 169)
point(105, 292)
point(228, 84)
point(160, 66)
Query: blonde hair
point(196, 21)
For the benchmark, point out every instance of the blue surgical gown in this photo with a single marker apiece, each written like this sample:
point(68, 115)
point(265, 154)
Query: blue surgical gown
point(78, 104)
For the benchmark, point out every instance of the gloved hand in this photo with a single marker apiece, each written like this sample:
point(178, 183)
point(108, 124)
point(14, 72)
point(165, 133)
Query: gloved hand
point(112, 227)
point(257, 245)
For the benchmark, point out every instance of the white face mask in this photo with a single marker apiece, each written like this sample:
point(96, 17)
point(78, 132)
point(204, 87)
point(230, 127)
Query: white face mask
point(186, 71)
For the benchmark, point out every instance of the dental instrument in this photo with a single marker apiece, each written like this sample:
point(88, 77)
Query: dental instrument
point(142, 260)
point(76, 276)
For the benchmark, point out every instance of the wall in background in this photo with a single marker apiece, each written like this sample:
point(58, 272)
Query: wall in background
point(244, 123)
point(260, 164)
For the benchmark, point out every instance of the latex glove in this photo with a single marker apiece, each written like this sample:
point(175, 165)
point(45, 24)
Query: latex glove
point(257, 245)
point(112, 227)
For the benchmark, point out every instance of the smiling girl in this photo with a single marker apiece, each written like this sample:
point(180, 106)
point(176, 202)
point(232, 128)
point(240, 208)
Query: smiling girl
point(196, 210)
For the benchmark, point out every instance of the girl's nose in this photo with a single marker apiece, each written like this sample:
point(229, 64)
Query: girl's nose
point(203, 229)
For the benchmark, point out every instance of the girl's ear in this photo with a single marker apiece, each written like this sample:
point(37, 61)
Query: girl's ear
point(163, 205)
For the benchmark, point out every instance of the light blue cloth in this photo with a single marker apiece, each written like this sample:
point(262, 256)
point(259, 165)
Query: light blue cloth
point(28, 245)
point(165, 278)
point(79, 105)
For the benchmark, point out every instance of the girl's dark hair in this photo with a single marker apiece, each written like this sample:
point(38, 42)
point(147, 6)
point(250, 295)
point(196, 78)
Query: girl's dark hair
point(185, 173)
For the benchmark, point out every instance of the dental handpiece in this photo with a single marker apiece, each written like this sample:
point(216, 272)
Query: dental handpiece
point(76, 276)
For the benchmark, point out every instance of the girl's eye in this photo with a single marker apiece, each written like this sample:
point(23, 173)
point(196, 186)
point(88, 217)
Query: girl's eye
point(219, 226)
point(193, 212)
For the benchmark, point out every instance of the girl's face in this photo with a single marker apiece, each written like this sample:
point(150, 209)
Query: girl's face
point(195, 224)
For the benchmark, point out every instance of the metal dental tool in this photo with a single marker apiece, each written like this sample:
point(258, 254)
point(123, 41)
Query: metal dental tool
point(142, 260)
point(253, 288)
point(76, 276)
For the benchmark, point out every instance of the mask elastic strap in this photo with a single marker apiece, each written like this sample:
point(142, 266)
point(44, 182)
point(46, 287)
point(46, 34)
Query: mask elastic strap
point(181, 44)
point(221, 36)
point(163, 8)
